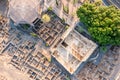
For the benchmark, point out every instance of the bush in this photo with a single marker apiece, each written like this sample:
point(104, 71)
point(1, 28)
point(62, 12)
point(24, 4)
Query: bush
point(66, 27)
point(33, 34)
point(63, 20)
point(25, 26)
point(66, 9)
point(45, 18)
point(103, 48)
point(81, 29)
point(47, 45)
point(50, 9)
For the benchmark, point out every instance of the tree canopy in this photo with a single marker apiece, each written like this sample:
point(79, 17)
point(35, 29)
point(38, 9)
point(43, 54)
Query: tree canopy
point(103, 23)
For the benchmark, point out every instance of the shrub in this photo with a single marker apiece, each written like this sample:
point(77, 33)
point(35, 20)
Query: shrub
point(66, 9)
point(50, 9)
point(33, 34)
point(66, 27)
point(45, 18)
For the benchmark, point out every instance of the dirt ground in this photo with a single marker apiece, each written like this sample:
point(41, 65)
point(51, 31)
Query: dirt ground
point(9, 72)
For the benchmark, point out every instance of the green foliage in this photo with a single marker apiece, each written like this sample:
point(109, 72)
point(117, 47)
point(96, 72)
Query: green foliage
point(47, 45)
point(68, 78)
point(66, 27)
point(103, 22)
point(103, 49)
point(75, 1)
point(80, 29)
point(25, 26)
point(66, 9)
point(53, 16)
point(33, 34)
point(63, 20)
point(49, 59)
point(46, 18)
point(50, 8)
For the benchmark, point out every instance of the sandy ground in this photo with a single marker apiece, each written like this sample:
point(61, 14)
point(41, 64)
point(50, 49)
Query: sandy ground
point(9, 72)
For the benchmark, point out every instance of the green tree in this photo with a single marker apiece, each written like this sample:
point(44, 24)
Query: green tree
point(103, 23)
